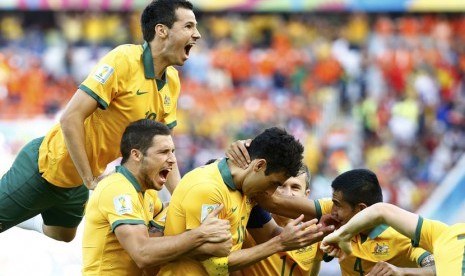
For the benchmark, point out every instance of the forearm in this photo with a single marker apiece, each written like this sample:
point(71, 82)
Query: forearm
point(381, 213)
point(288, 206)
point(74, 136)
point(245, 257)
point(157, 251)
point(423, 271)
point(173, 178)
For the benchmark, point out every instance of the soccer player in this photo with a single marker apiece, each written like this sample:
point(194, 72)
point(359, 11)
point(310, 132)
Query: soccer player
point(116, 236)
point(51, 175)
point(303, 261)
point(379, 248)
point(276, 156)
point(447, 243)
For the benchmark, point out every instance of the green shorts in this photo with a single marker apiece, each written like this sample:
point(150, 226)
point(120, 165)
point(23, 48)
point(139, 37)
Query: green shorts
point(25, 194)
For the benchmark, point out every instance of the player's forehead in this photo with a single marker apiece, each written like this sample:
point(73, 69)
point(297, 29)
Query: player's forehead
point(185, 16)
point(338, 197)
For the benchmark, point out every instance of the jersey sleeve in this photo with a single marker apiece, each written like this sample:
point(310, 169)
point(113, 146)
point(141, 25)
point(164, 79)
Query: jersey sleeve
point(120, 208)
point(427, 232)
point(258, 217)
point(199, 202)
point(323, 206)
point(102, 83)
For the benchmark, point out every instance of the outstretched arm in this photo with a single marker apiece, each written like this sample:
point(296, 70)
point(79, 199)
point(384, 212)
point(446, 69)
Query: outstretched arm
point(296, 234)
point(287, 206)
point(380, 213)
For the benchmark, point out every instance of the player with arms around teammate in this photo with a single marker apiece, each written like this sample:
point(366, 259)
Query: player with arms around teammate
point(303, 261)
point(378, 249)
point(446, 242)
point(276, 156)
point(121, 209)
point(131, 82)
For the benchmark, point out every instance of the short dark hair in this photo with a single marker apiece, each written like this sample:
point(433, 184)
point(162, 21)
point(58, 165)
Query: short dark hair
point(139, 134)
point(160, 12)
point(358, 186)
point(282, 152)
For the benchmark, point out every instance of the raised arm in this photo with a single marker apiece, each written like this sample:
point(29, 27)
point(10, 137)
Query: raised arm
point(288, 206)
point(152, 251)
point(380, 213)
point(78, 109)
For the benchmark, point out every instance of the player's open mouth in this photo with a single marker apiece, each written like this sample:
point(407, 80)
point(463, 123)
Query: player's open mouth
point(164, 174)
point(188, 48)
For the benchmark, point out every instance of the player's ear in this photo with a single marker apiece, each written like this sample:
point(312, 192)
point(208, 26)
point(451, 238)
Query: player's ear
point(161, 30)
point(360, 206)
point(259, 165)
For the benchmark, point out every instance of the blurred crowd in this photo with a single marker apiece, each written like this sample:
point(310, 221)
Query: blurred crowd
point(384, 92)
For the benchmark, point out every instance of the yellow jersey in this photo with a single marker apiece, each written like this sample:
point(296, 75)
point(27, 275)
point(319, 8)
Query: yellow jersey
point(382, 244)
point(124, 85)
point(197, 194)
point(447, 243)
point(302, 262)
point(117, 200)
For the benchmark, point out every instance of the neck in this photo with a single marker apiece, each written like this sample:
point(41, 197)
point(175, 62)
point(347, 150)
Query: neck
point(159, 61)
point(237, 174)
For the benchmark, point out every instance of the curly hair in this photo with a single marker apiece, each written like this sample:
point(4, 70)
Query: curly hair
point(282, 152)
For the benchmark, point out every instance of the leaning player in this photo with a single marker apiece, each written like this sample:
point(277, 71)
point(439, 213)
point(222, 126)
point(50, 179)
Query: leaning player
point(276, 156)
point(447, 243)
point(303, 261)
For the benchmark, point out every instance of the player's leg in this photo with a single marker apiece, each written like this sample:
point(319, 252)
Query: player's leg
point(23, 192)
point(61, 220)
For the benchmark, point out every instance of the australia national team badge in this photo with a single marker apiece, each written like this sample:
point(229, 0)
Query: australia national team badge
point(207, 209)
point(167, 101)
point(103, 72)
point(123, 204)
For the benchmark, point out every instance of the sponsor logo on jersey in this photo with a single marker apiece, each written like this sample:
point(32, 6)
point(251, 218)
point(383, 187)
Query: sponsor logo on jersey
point(103, 72)
point(138, 93)
point(123, 204)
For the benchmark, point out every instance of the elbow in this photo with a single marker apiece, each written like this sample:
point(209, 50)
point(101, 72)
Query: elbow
point(143, 263)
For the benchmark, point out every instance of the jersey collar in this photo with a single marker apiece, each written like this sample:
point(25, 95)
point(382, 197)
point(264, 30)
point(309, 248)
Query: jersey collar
point(226, 174)
point(122, 170)
point(377, 231)
point(149, 72)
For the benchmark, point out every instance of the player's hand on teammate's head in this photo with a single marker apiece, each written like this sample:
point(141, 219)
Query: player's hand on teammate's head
point(238, 154)
point(215, 229)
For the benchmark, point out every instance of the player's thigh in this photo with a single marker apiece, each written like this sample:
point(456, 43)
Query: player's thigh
point(23, 192)
point(70, 210)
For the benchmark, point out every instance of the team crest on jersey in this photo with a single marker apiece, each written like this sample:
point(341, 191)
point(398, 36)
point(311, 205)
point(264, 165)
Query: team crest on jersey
point(151, 207)
point(103, 73)
point(123, 204)
point(167, 101)
point(207, 209)
point(381, 249)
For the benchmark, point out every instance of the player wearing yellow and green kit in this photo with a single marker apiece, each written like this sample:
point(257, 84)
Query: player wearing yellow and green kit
point(129, 83)
point(380, 248)
point(120, 211)
point(276, 156)
point(447, 243)
point(302, 261)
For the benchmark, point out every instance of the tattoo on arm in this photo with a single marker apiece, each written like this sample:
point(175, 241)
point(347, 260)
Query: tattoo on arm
point(428, 261)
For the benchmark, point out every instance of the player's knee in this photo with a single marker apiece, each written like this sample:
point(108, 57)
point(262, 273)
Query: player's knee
point(60, 233)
